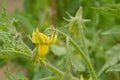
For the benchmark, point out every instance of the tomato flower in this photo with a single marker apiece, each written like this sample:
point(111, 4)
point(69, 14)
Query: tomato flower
point(42, 41)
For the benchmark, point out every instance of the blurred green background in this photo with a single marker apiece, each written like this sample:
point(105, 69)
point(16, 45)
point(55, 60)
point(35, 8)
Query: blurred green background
point(102, 34)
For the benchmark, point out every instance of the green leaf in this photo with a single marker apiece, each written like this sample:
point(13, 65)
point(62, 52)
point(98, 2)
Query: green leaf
point(4, 20)
point(77, 64)
point(14, 76)
point(11, 43)
point(111, 10)
point(112, 31)
point(114, 68)
point(58, 50)
point(27, 21)
point(113, 58)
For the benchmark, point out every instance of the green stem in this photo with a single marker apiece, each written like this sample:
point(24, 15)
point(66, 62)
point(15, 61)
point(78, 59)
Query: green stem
point(68, 64)
point(81, 25)
point(26, 46)
point(16, 52)
point(56, 70)
point(82, 54)
point(67, 55)
point(86, 59)
point(50, 78)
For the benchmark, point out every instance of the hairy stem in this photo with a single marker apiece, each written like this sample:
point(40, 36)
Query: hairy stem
point(82, 54)
point(56, 70)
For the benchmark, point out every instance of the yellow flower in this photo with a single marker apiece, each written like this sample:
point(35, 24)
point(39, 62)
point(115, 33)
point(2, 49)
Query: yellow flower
point(53, 38)
point(42, 50)
point(76, 23)
point(39, 38)
point(43, 42)
point(73, 29)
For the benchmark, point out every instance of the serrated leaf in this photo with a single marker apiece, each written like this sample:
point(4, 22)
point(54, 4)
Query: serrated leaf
point(113, 58)
point(111, 10)
point(114, 68)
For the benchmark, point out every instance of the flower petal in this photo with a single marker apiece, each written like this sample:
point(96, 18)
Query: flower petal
point(39, 38)
point(53, 38)
point(42, 50)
